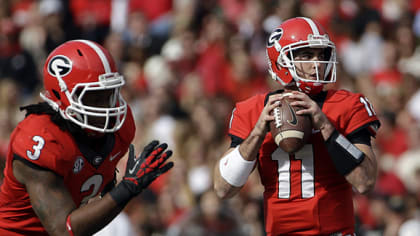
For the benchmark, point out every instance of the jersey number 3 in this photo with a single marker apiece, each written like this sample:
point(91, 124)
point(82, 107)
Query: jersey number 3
point(295, 170)
point(40, 142)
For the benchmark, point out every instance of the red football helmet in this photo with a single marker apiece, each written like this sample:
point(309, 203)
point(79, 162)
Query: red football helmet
point(293, 34)
point(77, 68)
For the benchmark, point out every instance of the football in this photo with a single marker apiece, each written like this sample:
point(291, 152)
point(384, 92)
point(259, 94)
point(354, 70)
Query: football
point(289, 130)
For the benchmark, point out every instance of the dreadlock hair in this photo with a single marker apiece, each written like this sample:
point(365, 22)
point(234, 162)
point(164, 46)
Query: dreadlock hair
point(56, 118)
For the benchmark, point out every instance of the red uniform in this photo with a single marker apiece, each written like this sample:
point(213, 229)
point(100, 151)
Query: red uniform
point(303, 193)
point(41, 142)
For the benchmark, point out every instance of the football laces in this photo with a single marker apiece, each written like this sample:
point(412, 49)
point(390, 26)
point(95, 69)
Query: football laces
point(277, 117)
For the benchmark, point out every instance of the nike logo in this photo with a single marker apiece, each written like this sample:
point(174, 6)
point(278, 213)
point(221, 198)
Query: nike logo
point(114, 156)
point(294, 120)
point(131, 171)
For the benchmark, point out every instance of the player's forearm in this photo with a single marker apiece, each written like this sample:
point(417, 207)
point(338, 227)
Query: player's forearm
point(356, 162)
point(222, 188)
point(93, 216)
point(325, 127)
point(232, 171)
point(363, 177)
point(251, 145)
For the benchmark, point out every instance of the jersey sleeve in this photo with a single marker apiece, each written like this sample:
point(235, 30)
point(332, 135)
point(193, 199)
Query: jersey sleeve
point(350, 112)
point(361, 115)
point(40, 148)
point(245, 115)
point(239, 126)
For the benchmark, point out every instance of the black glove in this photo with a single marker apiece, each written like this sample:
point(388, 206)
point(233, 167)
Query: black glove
point(142, 171)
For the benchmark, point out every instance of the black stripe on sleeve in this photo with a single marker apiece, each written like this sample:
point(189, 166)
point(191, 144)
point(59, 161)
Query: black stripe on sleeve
point(235, 140)
point(28, 163)
point(361, 136)
point(375, 123)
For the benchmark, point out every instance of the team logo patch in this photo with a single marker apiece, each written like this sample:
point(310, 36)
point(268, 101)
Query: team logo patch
point(97, 160)
point(78, 165)
point(275, 36)
point(59, 65)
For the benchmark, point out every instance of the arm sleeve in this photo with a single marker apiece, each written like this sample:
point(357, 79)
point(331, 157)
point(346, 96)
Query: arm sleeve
point(361, 136)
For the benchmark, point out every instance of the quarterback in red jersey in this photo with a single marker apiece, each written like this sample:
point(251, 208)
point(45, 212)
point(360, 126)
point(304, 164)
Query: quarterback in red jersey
point(308, 192)
point(66, 150)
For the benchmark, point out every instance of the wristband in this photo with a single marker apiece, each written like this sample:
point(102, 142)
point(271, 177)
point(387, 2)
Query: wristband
point(345, 156)
point(68, 226)
point(234, 169)
point(121, 194)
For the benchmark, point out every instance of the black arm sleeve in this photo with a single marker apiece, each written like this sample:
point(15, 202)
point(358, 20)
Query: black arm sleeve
point(360, 136)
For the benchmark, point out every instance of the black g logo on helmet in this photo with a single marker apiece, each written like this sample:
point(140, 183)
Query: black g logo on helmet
point(59, 65)
point(274, 36)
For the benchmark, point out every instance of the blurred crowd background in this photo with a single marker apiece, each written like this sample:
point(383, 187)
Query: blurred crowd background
point(186, 63)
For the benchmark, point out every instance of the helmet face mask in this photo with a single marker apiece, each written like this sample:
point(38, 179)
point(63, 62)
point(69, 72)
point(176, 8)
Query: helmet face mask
point(301, 34)
point(98, 102)
point(81, 82)
point(311, 68)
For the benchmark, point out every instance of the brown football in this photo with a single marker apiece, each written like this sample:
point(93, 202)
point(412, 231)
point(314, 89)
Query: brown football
point(289, 130)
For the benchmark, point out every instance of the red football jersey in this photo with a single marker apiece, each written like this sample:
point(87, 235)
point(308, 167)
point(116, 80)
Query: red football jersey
point(303, 193)
point(38, 140)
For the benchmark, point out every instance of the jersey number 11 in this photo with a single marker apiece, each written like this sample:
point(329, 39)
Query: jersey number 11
point(303, 160)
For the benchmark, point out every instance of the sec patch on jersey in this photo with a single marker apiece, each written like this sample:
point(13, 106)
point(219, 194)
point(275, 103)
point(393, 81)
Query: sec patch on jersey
point(289, 130)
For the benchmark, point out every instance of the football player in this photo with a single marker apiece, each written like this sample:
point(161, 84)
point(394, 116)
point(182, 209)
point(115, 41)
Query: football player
point(66, 150)
point(308, 192)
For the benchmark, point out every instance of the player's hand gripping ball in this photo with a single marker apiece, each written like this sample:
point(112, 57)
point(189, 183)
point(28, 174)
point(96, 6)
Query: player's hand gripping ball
point(289, 130)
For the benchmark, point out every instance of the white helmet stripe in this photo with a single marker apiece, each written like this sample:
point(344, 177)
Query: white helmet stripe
point(100, 53)
point(312, 24)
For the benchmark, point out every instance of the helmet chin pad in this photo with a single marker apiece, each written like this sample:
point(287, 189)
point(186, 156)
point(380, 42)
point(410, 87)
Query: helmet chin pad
point(310, 88)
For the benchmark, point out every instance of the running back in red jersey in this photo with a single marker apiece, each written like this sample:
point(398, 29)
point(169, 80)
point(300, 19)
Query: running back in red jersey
point(289, 130)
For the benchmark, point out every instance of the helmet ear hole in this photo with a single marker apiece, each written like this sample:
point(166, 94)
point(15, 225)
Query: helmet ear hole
point(56, 94)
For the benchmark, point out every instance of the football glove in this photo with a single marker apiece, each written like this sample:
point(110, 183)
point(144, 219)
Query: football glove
point(142, 171)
